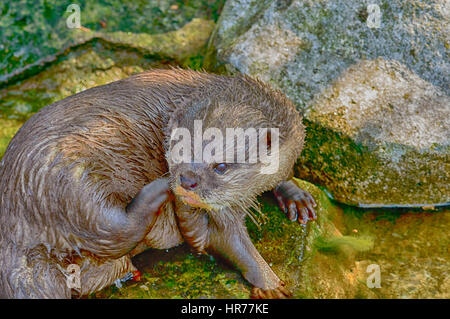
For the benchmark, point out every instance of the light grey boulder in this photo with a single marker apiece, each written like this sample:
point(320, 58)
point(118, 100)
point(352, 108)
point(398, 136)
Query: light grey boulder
point(300, 46)
point(380, 136)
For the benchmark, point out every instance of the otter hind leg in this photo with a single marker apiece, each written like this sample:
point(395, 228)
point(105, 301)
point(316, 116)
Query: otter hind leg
point(295, 202)
point(96, 275)
point(32, 274)
point(228, 237)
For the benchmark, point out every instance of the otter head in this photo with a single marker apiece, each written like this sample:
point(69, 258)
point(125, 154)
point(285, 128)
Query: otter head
point(232, 143)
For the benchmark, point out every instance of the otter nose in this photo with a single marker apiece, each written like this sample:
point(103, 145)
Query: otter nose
point(188, 181)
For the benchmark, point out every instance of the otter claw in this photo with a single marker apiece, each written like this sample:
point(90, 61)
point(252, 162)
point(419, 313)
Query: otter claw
point(296, 203)
point(278, 293)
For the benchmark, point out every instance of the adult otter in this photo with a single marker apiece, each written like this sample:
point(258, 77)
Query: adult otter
point(83, 179)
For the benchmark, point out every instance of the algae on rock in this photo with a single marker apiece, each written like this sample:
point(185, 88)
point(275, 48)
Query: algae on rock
point(380, 136)
point(33, 31)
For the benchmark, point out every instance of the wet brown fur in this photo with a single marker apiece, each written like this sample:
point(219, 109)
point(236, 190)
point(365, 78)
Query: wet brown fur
point(70, 171)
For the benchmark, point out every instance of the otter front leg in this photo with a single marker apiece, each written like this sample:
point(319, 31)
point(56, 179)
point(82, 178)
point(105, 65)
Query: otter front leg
point(235, 244)
point(230, 239)
point(144, 207)
point(115, 231)
point(295, 202)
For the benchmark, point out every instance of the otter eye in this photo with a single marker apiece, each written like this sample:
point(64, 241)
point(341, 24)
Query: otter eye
point(220, 168)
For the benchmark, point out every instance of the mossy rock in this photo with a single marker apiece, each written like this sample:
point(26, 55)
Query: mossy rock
point(289, 43)
point(33, 32)
point(379, 136)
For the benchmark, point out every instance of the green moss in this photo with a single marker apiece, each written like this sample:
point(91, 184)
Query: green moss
point(334, 244)
point(190, 277)
point(210, 61)
point(271, 220)
point(194, 62)
point(324, 154)
point(7, 130)
point(358, 175)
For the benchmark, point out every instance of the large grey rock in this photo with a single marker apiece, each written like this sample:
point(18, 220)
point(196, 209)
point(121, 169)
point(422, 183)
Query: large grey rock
point(300, 45)
point(381, 137)
point(378, 131)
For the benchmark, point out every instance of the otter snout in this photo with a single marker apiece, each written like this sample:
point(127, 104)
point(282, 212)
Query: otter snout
point(189, 180)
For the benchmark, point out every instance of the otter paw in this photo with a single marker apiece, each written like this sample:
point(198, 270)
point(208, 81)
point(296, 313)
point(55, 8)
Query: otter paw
point(278, 293)
point(295, 202)
point(151, 197)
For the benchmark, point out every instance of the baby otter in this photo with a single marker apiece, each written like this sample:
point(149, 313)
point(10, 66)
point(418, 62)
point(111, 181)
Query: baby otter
point(88, 181)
